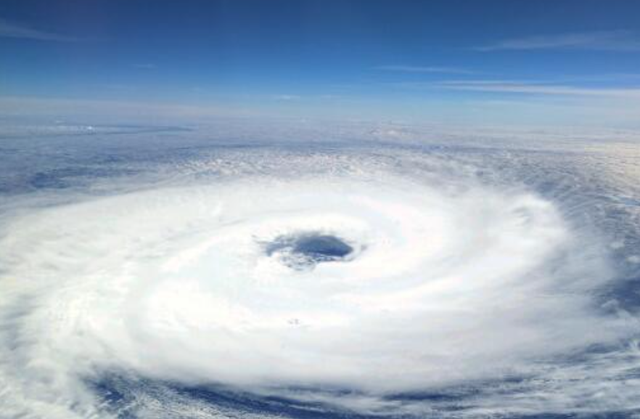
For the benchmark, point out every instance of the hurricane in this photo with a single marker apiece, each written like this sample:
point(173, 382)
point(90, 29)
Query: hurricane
point(352, 278)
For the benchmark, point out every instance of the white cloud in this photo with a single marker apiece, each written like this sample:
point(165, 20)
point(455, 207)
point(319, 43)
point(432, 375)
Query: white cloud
point(616, 40)
point(14, 30)
point(506, 86)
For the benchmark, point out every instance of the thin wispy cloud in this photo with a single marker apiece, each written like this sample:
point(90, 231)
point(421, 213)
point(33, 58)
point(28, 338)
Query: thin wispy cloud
point(617, 40)
point(19, 31)
point(423, 69)
point(506, 86)
point(286, 98)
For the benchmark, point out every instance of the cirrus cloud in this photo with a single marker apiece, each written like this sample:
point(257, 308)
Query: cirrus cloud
point(614, 40)
point(20, 31)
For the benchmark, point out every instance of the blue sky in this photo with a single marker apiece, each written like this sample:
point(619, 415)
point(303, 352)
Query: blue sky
point(493, 62)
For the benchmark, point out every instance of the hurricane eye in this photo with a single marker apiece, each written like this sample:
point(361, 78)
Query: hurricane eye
point(306, 250)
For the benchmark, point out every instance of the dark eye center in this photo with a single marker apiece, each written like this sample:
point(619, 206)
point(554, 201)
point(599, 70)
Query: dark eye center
point(304, 251)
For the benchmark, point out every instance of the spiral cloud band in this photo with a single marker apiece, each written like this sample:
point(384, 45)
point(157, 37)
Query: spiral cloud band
point(376, 280)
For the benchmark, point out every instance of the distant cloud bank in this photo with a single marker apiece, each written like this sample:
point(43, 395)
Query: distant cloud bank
point(506, 86)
